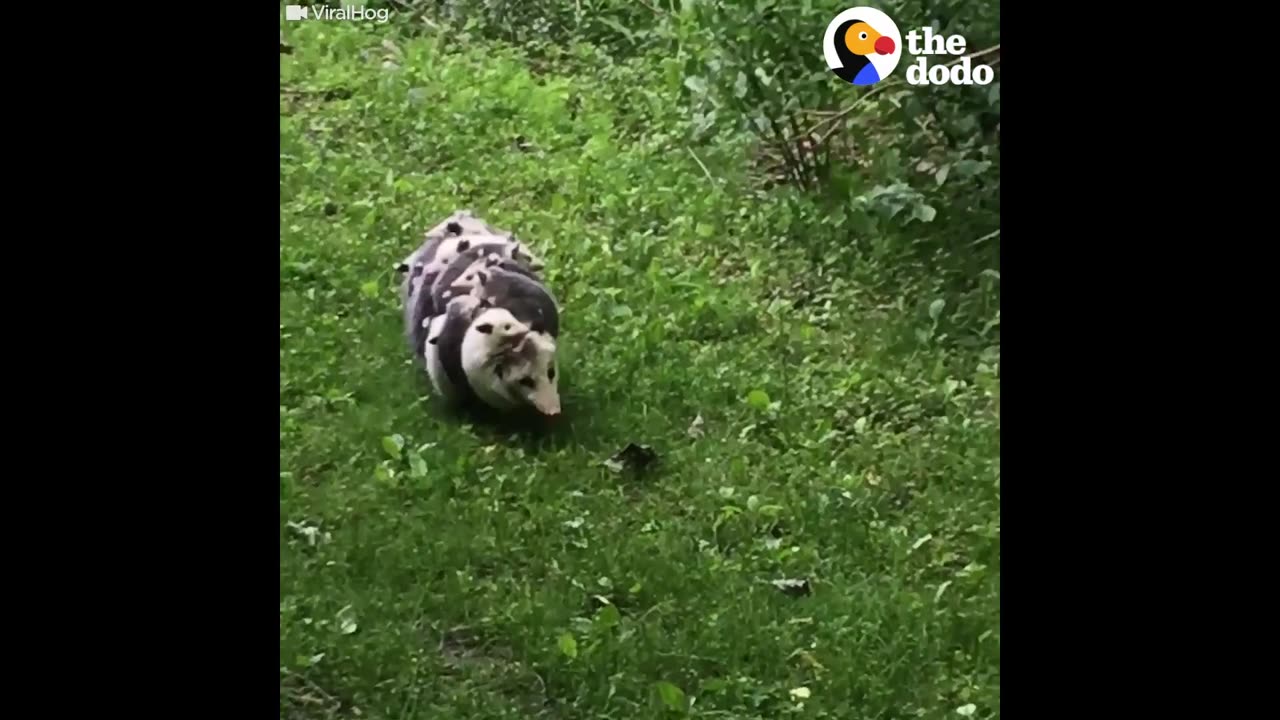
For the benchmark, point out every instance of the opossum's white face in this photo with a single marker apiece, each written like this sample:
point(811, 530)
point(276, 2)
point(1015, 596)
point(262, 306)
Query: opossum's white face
point(529, 372)
point(508, 365)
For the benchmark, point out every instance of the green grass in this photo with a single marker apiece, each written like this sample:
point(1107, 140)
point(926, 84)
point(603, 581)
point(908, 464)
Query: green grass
point(432, 568)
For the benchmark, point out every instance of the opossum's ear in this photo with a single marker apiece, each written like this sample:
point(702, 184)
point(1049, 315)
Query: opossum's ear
point(482, 278)
point(484, 303)
point(402, 267)
point(486, 328)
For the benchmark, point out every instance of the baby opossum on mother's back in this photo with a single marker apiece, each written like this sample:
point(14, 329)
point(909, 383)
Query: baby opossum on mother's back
point(438, 256)
point(522, 294)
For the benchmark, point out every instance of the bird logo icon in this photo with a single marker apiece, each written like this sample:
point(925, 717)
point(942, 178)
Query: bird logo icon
point(862, 46)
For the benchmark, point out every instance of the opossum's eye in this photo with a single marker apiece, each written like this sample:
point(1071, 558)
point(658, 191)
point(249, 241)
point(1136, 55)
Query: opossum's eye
point(528, 382)
point(453, 228)
point(463, 245)
point(485, 328)
point(551, 374)
point(507, 326)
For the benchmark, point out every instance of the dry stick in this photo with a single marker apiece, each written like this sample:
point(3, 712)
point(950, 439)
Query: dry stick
point(845, 112)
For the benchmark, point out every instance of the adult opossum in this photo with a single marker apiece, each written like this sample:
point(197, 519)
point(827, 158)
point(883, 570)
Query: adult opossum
point(479, 315)
point(478, 352)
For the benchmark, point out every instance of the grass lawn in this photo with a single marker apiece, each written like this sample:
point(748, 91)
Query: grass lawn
point(814, 416)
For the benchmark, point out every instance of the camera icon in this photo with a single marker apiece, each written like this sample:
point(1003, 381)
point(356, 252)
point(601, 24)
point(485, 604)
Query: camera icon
point(296, 12)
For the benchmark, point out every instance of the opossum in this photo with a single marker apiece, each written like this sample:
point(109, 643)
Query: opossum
point(477, 352)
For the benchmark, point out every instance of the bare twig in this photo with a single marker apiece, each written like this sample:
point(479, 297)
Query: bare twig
point(892, 83)
point(698, 160)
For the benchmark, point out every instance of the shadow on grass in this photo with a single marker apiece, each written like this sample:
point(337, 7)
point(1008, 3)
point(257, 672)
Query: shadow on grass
point(576, 426)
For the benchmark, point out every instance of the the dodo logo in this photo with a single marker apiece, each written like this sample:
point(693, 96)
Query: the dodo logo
point(862, 46)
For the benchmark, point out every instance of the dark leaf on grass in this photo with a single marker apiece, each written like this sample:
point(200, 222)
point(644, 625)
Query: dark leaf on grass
point(633, 457)
point(795, 587)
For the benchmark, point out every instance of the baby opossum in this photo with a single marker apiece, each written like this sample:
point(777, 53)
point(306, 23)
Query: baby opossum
point(461, 270)
point(522, 294)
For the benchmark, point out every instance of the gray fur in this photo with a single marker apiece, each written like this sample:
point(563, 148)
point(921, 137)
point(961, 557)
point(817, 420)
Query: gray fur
point(421, 294)
point(456, 269)
point(458, 317)
point(524, 296)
